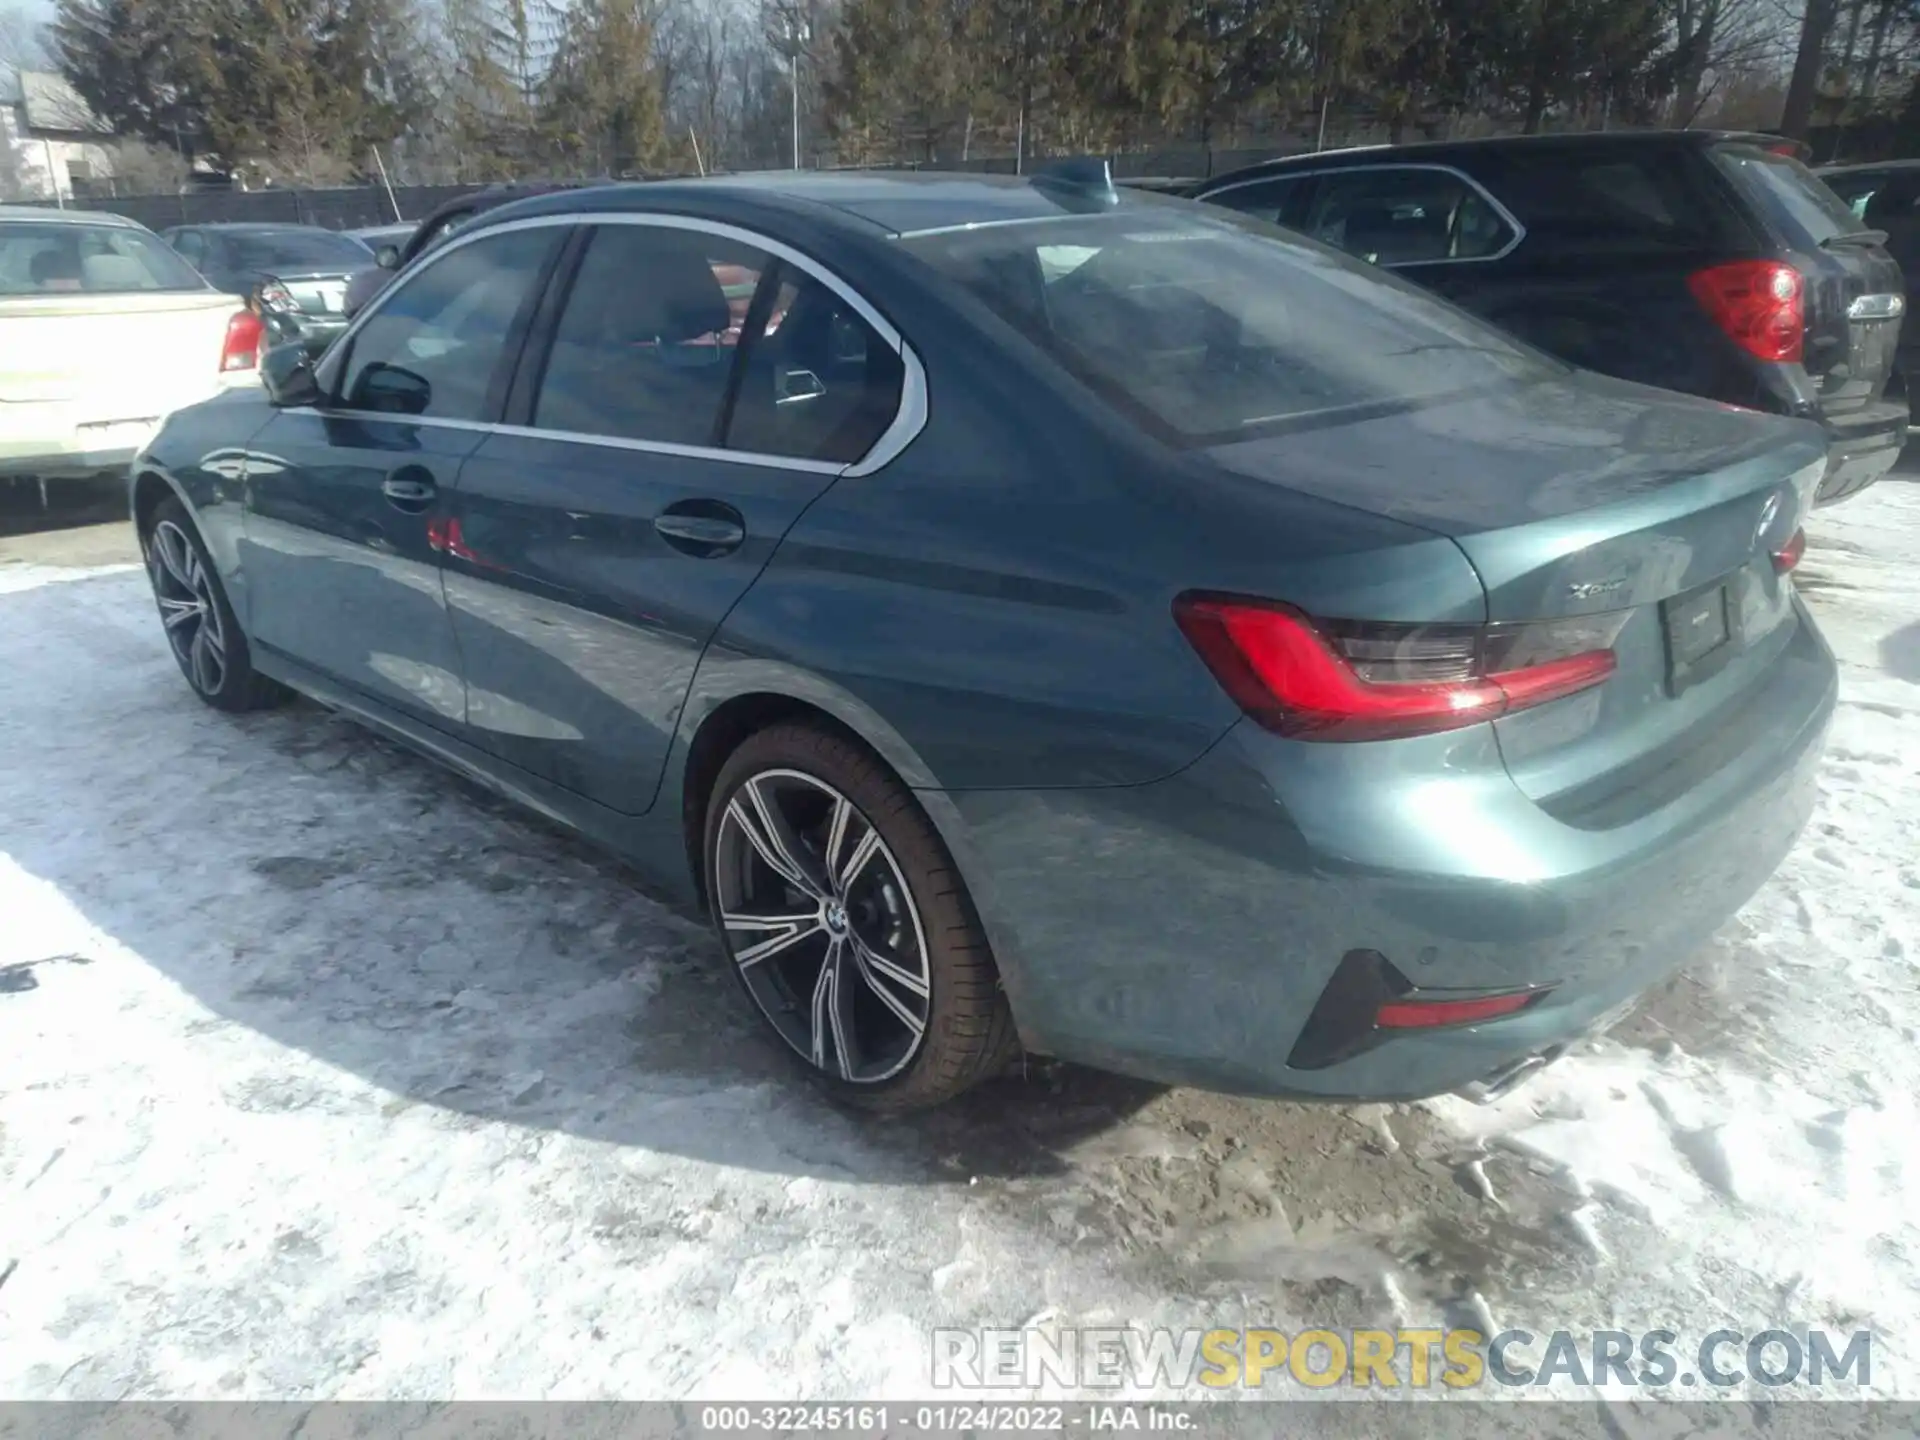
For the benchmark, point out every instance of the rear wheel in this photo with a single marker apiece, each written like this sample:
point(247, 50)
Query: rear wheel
point(200, 626)
point(848, 923)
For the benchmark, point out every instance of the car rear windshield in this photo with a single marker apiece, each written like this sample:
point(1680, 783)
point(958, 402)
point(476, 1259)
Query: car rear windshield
point(298, 250)
point(1787, 192)
point(40, 257)
point(1207, 329)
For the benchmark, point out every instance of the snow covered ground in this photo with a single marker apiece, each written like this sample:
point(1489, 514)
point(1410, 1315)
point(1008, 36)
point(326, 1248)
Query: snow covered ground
point(323, 1075)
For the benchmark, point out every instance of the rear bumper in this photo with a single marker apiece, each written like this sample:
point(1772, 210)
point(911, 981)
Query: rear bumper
point(1184, 931)
point(1861, 448)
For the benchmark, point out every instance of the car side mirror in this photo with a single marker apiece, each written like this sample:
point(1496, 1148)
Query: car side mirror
point(390, 390)
point(796, 387)
point(286, 373)
point(387, 257)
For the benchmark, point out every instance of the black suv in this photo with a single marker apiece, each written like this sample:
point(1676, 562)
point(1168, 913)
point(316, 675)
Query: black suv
point(1702, 261)
point(1886, 197)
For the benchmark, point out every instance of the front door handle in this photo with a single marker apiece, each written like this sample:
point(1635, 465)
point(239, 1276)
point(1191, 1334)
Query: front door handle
point(411, 489)
point(704, 529)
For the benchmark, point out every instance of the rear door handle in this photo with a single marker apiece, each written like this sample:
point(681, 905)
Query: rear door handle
point(702, 529)
point(410, 490)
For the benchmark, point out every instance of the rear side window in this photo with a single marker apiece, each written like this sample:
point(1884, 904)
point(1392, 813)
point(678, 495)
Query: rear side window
point(39, 257)
point(1276, 201)
point(644, 349)
point(818, 383)
point(1407, 215)
point(1787, 194)
point(1618, 201)
point(1207, 328)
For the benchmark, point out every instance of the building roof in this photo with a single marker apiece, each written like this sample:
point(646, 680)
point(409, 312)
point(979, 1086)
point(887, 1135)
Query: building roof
point(51, 104)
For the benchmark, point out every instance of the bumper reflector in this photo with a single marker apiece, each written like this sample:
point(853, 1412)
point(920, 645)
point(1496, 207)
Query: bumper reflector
point(1411, 1014)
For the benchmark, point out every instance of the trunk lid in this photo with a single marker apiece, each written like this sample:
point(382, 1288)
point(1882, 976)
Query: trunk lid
point(319, 293)
point(130, 356)
point(1652, 515)
point(1853, 285)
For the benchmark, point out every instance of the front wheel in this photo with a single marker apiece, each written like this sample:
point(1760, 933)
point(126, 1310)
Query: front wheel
point(848, 923)
point(199, 623)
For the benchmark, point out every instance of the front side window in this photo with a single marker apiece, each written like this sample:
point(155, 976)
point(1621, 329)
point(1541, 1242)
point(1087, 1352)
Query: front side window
point(435, 344)
point(1403, 215)
point(1208, 328)
point(39, 257)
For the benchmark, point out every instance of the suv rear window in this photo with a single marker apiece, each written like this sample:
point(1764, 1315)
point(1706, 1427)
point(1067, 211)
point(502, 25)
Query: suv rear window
point(1613, 201)
point(1209, 328)
point(1787, 193)
point(41, 257)
point(296, 250)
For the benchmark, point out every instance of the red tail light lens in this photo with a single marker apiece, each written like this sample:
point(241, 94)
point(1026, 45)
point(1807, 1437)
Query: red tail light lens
point(1347, 680)
point(241, 351)
point(1425, 1014)
point(276, 296)
point(1789, 554)
point(1760, 304)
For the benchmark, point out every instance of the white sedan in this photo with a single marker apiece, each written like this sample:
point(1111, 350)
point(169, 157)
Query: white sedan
point(103, 332)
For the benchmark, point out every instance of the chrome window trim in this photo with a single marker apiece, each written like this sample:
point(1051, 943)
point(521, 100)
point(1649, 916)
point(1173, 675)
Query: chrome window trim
point(1512, 221)
point(668, 447)
point(910, 417)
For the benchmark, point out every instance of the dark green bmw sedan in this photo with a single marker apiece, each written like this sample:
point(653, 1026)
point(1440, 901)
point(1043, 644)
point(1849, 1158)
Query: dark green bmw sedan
point(1024, 615)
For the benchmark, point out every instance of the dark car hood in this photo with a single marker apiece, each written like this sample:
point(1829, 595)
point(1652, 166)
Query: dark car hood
point(1522, 453)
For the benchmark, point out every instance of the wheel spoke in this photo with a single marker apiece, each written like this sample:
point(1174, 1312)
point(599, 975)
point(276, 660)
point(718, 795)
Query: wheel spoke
point(169, 542)
point(868, 847)
point(901, 1010)
point(789, 930)
point(880, 965)
point(822, 1012)
point(836, 833)
point(782, 848)
point(206, 671)
point(840, 1010)
point(175, 613)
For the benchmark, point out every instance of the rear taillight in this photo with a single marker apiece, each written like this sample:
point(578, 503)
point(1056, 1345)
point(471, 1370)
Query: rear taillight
point(241, 350)
point(276, 296)
point(1356, 680)
point(1789, 554)
point(1760, 304)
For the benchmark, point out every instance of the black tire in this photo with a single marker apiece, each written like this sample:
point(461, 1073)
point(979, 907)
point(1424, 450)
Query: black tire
point(201, 628)
point(968, 1033)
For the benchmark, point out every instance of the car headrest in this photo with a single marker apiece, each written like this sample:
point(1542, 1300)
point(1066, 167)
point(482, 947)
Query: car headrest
point(115, 272)
point(677, 300)
point(58, 263)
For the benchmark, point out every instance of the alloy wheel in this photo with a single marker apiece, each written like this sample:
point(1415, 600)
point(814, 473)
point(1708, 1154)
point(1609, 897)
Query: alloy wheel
point(820, 921)
point(188, 608)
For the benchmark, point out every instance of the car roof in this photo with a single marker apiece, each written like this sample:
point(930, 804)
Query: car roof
point(884, 202)
point(1438, 151)
point(83, 217)
point(1864, 167)
point(260, 227)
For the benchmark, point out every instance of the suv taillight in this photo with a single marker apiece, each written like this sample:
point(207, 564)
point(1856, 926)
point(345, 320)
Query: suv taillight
point(1362, 680)
point(1758, 303)
point(241, 350)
